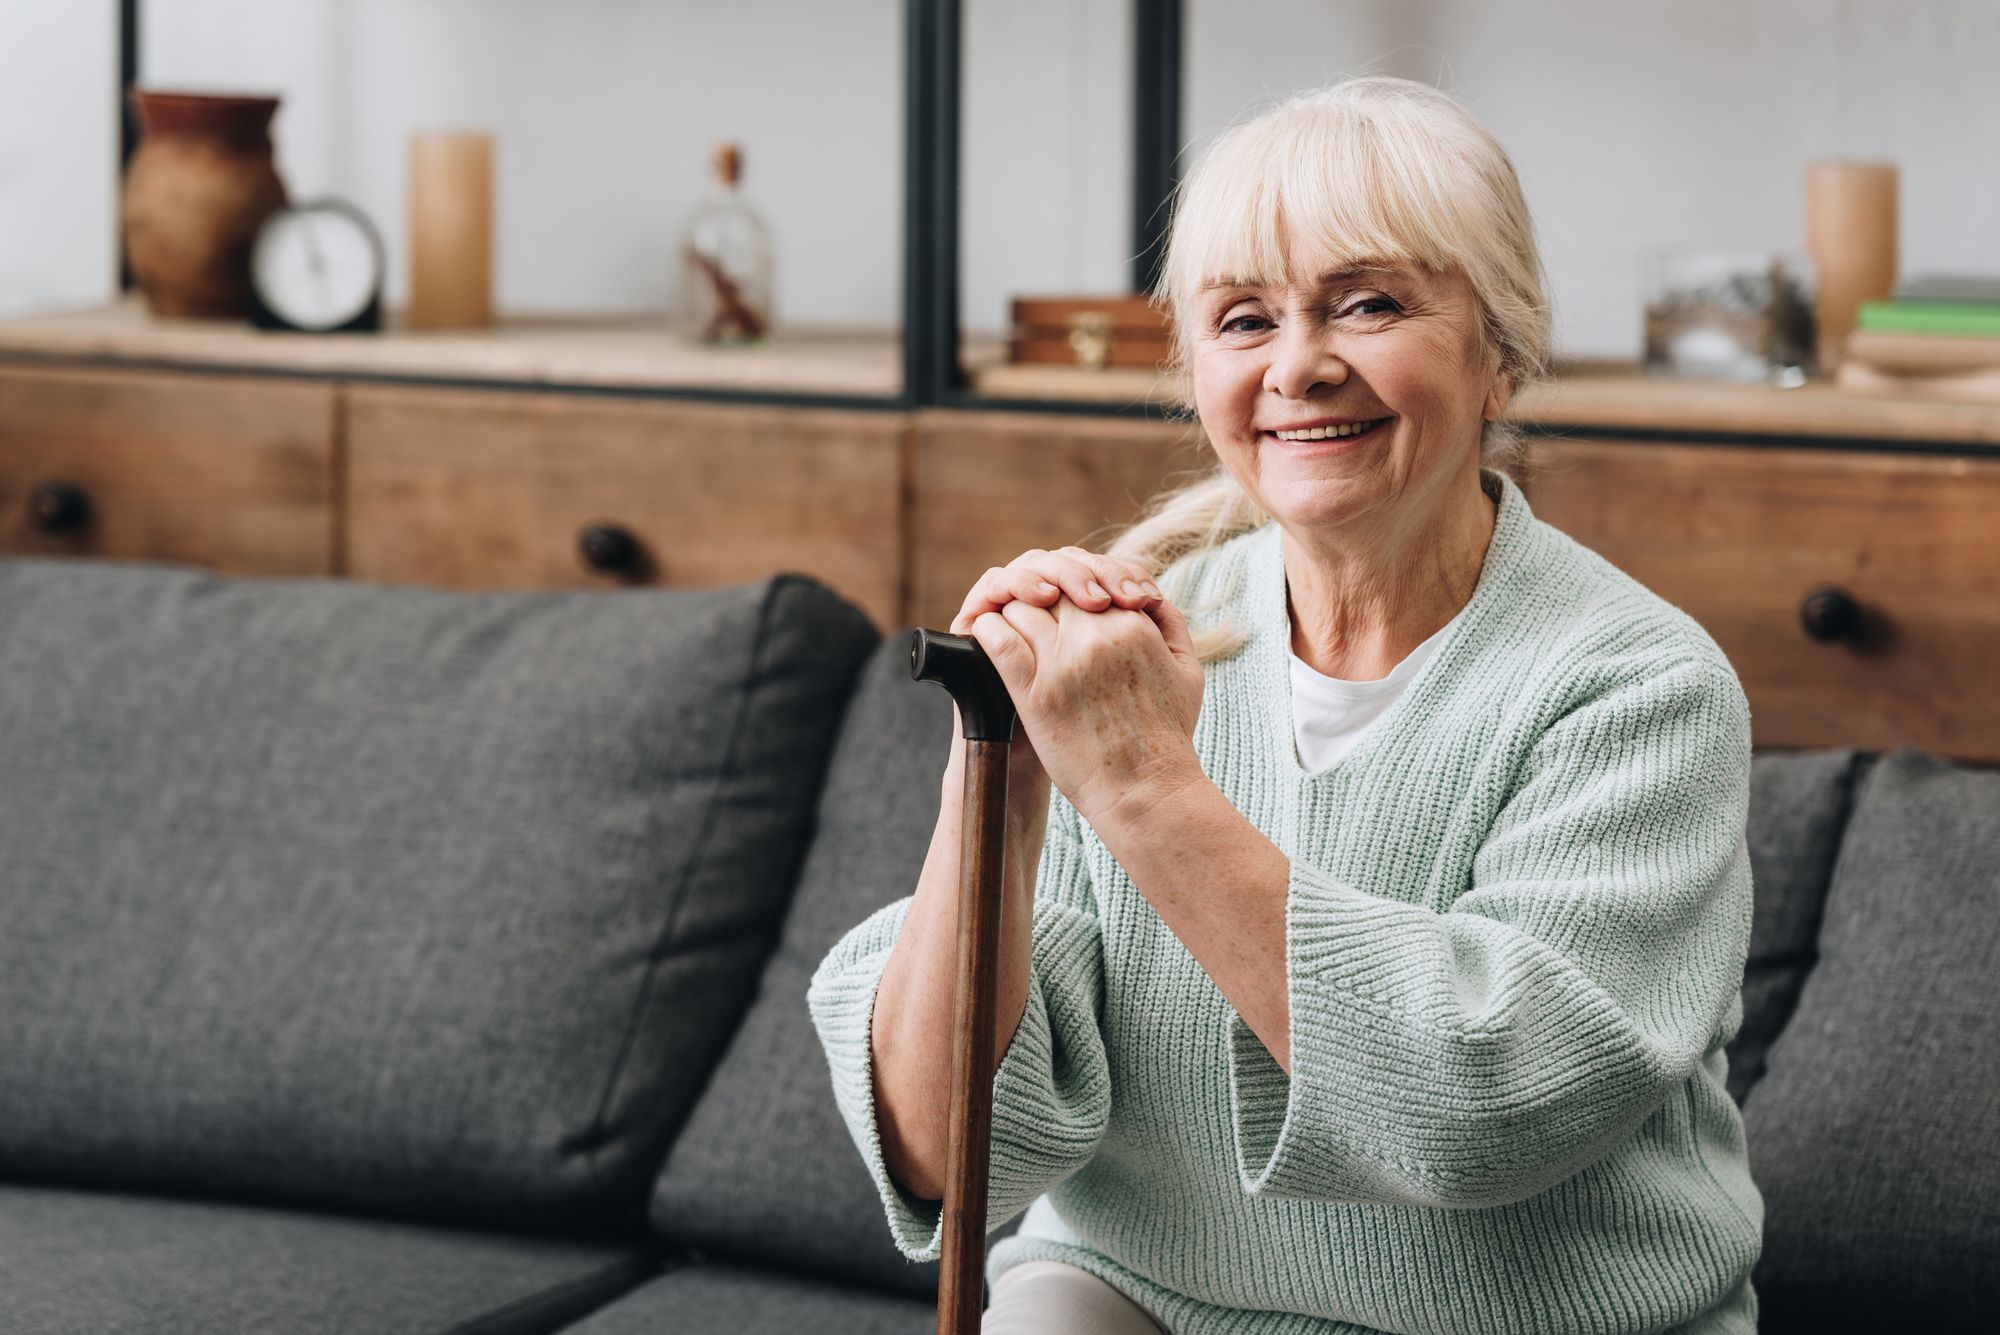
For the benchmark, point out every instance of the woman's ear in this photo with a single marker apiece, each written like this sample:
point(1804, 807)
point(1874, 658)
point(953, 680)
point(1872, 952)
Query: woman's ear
point(1499, 396)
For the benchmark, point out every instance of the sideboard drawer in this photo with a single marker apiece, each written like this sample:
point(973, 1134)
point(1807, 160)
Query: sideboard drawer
point(230, 472)
point(1738, 536)
point(485, 489)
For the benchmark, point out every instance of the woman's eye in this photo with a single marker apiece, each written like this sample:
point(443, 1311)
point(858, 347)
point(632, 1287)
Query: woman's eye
point(1372, 306)
point(1245, 324)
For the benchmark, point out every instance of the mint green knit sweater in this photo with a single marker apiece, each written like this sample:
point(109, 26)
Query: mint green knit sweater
point(1516, 928)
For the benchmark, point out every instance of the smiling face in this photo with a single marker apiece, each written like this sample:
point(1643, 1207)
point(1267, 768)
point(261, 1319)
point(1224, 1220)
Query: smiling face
point(1344, 394)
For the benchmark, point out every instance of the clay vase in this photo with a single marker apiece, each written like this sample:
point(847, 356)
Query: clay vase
point(196, 191)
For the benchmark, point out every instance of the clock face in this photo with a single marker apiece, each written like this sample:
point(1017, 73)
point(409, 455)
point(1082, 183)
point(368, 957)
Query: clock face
point(317, 266)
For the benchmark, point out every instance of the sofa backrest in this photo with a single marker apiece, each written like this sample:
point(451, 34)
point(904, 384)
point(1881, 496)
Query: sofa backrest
point(1875, 1134)
point(765, 1169)
point(1798, 811)
point(394, 900)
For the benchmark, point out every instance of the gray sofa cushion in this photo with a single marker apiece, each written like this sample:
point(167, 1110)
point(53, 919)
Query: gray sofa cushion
point(1798, 809)
point(84, 1263)
point(765, 1168)
point(395, 900)
point(734, 1300)
point(1875, 1136)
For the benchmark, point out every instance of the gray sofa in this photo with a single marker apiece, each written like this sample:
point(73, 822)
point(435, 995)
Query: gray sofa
point(396, 961)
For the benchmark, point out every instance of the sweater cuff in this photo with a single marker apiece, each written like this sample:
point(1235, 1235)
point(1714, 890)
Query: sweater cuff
point(1051, 1095)
point(1287, 1144)
point(842, 1000)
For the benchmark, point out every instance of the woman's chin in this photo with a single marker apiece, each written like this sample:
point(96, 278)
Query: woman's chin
point(1323, 503)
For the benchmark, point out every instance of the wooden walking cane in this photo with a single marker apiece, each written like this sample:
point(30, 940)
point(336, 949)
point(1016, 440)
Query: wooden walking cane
point(987, 713)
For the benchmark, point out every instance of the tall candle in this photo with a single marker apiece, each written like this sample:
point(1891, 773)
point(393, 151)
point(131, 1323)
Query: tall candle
point(451, 230)
point(1851, 232)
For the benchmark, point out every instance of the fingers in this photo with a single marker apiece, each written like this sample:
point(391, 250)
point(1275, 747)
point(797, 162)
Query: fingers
point(1000, 586)
point(1173, 629)
point(1119, 582)
point(1009, 640)
point(1077, 579)
point(1041, 578)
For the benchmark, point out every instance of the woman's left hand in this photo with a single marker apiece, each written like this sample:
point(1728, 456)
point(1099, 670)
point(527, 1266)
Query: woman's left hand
point(1109, 698)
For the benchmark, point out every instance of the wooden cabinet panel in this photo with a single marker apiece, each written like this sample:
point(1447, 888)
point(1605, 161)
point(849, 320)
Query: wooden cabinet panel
point(1738, 536)
point(990, 486)
point(230, 472)
point(483, 489)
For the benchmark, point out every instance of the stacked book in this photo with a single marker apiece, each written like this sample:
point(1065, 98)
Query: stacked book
point(1939, 339)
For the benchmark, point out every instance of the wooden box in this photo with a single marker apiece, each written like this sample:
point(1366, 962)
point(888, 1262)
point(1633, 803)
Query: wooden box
point(1091, 332)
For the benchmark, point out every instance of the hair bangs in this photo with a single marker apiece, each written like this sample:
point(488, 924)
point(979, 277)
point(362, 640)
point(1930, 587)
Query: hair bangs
point(1371, 171)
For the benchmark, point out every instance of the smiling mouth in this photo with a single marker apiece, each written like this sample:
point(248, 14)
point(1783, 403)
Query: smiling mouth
point(1331, 432)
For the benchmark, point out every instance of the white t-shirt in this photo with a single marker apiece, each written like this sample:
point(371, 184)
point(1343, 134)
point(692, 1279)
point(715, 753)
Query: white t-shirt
point(1330, 715)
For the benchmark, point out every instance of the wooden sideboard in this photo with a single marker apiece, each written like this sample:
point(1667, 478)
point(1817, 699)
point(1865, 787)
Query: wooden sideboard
point(480, 490)
point(1738, 536)
point(237, 474)
point(1731, 503)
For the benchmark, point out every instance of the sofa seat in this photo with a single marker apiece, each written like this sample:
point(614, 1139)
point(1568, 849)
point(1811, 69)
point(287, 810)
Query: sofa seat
point(87, 1262)
point(716, 1299)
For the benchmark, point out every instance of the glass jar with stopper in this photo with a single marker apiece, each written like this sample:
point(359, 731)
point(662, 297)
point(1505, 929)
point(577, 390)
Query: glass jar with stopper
point(726, 261)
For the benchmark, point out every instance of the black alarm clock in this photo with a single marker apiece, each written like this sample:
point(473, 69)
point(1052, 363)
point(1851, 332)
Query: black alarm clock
point(318, 267)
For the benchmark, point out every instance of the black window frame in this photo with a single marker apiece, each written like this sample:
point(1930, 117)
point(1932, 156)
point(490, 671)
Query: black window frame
point(932, 104)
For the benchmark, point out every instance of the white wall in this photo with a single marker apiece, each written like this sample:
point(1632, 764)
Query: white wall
point(1046, 203)
point(604, 112)
point(58, 153)
point(1635, 124)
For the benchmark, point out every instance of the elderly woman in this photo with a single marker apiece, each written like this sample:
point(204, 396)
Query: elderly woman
point(1371, 967)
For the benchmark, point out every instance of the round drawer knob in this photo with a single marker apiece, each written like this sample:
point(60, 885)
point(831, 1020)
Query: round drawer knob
point(610, 549)
point(1830, 615)
point(58, 507)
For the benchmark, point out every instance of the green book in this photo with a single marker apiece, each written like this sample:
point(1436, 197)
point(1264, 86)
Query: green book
point(1967, 319)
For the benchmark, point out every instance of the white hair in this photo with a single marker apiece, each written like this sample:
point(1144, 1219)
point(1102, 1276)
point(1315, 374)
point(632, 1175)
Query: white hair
point(1374, 170)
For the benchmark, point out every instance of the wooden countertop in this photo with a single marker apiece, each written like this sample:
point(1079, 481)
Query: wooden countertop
point(1621, 399)
point(595, 351)
point(641, 352)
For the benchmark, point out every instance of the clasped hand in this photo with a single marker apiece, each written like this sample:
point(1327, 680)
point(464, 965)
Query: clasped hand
point(1103, 674)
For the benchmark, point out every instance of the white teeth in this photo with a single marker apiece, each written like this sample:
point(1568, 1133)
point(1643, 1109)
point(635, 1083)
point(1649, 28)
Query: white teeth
point(1330, 432)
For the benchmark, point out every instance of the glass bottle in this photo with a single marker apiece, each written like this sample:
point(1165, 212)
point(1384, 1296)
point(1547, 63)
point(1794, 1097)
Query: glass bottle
point(726, 262)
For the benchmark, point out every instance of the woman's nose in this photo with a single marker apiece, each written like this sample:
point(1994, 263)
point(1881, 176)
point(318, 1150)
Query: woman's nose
point(1301, 361)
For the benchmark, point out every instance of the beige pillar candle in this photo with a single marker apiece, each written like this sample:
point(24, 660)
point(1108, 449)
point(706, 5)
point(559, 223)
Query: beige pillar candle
point(451, 230)
point(1851, 232)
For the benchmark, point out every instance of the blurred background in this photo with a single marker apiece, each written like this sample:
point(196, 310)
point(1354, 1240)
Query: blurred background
point(1634, 125)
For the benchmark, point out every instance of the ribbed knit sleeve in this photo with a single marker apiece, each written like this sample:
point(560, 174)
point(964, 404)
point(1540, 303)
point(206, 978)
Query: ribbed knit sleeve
point(1477, 1056)
point(1052, 1094)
